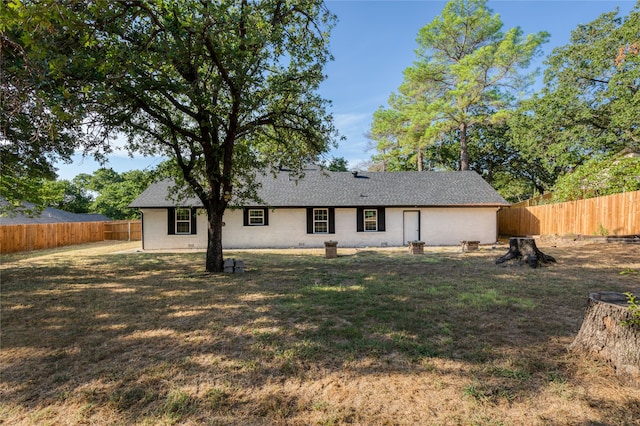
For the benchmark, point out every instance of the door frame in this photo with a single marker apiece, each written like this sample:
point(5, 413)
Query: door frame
point(404, 224)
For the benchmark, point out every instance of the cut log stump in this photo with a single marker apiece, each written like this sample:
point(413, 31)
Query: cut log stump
point(604, 337)
point(524, 249)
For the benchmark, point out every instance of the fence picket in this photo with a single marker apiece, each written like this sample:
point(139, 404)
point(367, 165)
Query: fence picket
point(617, 214)
point(17, 238)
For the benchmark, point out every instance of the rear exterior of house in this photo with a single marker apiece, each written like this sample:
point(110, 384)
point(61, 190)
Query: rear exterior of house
point(372, 209)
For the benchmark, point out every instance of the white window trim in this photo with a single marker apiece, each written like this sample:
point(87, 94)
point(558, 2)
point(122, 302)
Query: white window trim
point(373, 220)
point(187, 221)
point(260, 216)
point(326, 221)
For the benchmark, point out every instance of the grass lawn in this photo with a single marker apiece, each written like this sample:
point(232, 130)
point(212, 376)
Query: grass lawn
point(91, 335)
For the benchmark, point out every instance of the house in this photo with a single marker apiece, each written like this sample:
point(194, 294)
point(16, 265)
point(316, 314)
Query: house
point(356, 209)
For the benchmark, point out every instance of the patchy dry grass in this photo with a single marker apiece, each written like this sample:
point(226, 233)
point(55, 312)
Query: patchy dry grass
point(373, 337)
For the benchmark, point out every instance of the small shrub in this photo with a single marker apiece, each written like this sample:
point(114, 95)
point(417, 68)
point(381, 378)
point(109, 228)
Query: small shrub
point(634, 310)
point(602, 231)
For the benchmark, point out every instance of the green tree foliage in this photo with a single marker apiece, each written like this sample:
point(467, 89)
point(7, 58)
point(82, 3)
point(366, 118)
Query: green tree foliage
point(116, 192)
point(590, 104)
point(42, 117)
point(467, 74)
point(337, 164)
point(596, 178)
point(492, 156)
point(66, 195)
point(105, 191)
point(223, 88)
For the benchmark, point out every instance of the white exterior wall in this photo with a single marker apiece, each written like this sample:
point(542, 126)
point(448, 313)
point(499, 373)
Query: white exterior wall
point(288, 228)
point(155, 235)
point(449, 226)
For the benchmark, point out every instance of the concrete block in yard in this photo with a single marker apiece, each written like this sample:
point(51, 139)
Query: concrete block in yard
point(238, 266)
point(229, 265)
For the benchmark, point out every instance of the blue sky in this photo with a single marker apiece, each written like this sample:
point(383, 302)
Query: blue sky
point(373, 42)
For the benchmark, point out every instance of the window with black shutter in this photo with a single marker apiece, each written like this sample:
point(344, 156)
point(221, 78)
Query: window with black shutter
point(321, 220)
point(182, 221)
point(370, 219)
point(256, 216)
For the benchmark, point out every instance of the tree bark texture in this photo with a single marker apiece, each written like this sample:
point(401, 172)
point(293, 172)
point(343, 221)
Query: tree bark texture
point(214, 260)
point(525, 250)
point(603, 336)
point(464, 151)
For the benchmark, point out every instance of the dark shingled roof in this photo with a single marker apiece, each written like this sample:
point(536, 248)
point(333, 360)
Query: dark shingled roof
point(347, 189)
point(51, 215)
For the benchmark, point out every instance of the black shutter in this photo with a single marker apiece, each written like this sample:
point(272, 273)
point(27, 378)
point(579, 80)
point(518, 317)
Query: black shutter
point(381, 219)
point(309, 220)
point(194, 221)
point(332, 220)
point(266, 216)
point(171, 221)
point(245, 216)
point(360, 219)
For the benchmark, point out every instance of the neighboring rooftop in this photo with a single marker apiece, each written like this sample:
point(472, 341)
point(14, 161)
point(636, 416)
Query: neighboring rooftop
point(353, 189)
point(51, 215)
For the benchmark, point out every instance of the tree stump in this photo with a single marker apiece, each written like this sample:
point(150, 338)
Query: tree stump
point(603, 336)
point(525, 249)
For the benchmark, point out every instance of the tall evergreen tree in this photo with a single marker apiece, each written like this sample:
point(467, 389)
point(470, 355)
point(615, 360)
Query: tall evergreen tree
point(467, 73)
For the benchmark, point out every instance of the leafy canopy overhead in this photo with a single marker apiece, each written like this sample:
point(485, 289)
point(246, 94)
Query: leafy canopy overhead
point(222, 88)
point(590, 103)
point(43, 118)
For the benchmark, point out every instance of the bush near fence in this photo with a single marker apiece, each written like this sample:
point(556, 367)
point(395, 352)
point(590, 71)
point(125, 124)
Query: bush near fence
point(18, 238)
point(617, 214)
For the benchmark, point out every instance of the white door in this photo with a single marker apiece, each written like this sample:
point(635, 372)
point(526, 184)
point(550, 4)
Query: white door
point(411, 226)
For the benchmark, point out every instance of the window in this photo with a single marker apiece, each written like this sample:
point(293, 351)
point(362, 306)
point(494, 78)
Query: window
point(371, 220)
point(320, 221)
point(183, 221)
point(256, 217)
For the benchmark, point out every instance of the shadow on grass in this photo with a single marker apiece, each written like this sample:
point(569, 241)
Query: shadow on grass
point(126, 334)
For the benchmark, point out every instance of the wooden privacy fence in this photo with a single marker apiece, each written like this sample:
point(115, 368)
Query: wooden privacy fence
point(17, 238)
point(617, 214)
point(123, 230)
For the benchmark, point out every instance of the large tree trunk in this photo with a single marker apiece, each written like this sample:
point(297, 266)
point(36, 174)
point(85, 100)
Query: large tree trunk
point(464, 151)
point(525, 249)
point(603, 336)
point(214, 261)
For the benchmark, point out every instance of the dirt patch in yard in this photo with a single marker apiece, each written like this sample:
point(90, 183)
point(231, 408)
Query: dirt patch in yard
point(373, 337)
